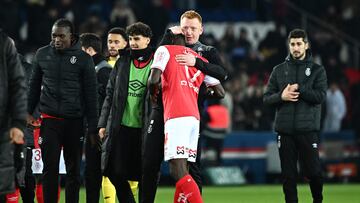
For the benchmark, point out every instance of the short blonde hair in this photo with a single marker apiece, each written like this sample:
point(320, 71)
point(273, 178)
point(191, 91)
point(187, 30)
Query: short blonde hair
point(191, 14)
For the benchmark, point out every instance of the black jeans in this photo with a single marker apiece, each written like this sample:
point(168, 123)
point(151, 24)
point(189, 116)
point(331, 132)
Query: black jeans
point(153, 155)
point(28, 191)
point(302, 148)
point(54, 134)
point(93, 175)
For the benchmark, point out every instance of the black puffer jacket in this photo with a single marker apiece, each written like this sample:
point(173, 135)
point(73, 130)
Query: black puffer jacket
point(115, 102)
point(28, 134)
point(68, 81)
point(303, 115)
point(12, 109)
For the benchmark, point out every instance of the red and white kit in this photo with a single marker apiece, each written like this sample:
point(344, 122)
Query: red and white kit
point(180, 89)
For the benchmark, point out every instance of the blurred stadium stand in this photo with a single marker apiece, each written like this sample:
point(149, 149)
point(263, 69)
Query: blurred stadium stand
point(251, 38)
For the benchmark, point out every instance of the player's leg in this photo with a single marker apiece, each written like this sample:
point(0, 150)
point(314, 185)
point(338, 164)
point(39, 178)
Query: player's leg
point(181, 139)
point(50, 145)
point(108, 190)
point(195, 168)
point(153, 156)
point(123, 190)
point(134, 186)
point(133, 158)
point(13, 197)
point(288, 158)
point(28, 190)
point(92, 172)
point(310, 163)
point(72, 143)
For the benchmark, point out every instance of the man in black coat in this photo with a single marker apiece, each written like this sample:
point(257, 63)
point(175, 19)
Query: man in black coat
point(123, 113)
point(64, 83)
point(91, 44)
point(27, 189)
point(12, 112)
point(153, 148)
point(297, 88)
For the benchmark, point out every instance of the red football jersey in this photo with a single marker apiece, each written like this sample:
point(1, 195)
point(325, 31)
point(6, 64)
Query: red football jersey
point(180, 84)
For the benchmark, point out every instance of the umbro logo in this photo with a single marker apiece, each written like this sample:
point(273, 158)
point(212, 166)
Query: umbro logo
point(136, 85)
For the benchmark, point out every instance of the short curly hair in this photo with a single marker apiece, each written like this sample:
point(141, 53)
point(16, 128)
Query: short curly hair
point(139, 28)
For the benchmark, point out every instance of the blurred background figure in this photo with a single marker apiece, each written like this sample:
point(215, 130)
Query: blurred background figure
point(122, 14)
point(335, 108)
point(217, 121)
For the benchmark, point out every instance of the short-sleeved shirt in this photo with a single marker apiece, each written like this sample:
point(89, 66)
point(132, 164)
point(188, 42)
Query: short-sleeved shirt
point(180, 83)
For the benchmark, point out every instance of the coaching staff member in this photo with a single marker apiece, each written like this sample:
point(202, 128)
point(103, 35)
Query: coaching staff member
point(153, 151)
point(64, 82)
point(296, 88)
point(12, 112)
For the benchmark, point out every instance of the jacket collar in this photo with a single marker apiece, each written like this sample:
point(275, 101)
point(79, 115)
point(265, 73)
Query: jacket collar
point(307, 59)
point(197, 47)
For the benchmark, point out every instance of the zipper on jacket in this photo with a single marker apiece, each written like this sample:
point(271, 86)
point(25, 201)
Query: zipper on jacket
point(296, 81)
point(58, 90)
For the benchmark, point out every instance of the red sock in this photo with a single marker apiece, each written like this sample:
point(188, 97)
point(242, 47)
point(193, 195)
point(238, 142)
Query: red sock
point(59, 189)
point(187, 191)
point(176, 195)
point(39, 193)
point(13, 197)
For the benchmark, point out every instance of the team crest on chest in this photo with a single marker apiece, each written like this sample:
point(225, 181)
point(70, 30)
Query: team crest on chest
point(307, 72)
point(73, 60)
point(199, 51)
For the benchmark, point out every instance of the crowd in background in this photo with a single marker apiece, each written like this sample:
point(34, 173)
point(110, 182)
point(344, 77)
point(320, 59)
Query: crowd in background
point(29, 22)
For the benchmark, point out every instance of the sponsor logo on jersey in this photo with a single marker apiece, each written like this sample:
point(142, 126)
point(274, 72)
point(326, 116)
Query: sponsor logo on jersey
point(180, 150)
point(189, 84)
point(136, 85)
point(192, 153)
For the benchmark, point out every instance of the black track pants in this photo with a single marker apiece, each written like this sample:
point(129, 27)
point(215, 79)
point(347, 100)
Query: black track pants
point(54, 134)
point(302, 148)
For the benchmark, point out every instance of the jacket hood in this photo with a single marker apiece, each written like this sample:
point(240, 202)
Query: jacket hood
point(307, 59)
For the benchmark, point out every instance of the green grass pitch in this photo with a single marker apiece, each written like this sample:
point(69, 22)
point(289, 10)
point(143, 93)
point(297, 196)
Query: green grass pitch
point(333, 193)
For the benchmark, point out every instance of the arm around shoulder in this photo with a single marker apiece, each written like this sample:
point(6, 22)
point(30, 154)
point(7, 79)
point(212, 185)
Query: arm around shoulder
point(215, 68)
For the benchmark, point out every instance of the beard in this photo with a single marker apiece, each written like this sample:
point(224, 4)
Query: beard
point(298, 56)
point(113, 53)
